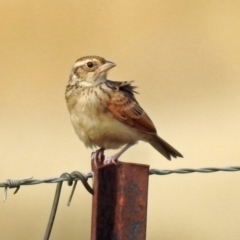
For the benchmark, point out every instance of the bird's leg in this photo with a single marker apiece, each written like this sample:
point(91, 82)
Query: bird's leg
point(114, 158)
point(98, 157)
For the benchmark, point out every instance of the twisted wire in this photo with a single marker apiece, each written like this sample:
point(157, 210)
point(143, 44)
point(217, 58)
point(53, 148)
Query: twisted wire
point(73, 177)
point(190, 170)
point(76, 176)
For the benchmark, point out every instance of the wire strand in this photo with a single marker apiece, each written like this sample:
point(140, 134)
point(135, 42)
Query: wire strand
point(190, 170)
point(76, 176)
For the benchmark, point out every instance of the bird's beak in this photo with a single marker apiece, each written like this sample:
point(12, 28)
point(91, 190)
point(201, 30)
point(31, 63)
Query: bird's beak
point(105, 67)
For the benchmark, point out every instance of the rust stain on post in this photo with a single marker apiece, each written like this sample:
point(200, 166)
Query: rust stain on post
point(119, 208)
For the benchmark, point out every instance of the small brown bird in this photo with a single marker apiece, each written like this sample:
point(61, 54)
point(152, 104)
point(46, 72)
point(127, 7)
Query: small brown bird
point(105, 113)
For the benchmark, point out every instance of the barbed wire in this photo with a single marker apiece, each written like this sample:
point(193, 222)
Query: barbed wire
point(70, 178)
point(76, 176)
point(190, 170)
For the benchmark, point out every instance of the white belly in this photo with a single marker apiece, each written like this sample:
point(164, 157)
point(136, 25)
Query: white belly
point(96, 126)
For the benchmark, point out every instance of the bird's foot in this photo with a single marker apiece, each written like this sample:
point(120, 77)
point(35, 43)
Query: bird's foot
point(112, 159)
point(98, 157)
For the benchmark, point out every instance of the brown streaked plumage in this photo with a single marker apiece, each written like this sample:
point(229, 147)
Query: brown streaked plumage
point(105, 113)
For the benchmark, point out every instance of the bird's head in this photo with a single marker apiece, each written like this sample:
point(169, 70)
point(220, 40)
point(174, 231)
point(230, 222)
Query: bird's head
point(91, 69)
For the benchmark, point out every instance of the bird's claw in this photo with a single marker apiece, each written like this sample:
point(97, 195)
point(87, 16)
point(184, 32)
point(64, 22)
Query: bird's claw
point(109, 160)
point(98, 157)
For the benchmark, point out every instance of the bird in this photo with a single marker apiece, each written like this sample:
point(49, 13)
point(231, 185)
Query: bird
point(105, 113)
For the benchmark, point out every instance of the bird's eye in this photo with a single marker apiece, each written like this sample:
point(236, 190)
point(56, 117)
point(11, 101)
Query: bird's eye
point(90, 64)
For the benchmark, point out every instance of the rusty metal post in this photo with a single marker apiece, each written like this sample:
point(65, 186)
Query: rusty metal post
point(119, 208)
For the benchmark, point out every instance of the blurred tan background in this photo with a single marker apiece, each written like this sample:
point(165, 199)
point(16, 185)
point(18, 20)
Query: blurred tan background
point(185, 58)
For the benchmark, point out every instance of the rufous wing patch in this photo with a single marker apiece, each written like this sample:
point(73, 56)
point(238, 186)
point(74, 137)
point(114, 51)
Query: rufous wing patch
point(128, 111)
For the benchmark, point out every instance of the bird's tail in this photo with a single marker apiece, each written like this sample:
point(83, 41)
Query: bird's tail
point(164, 148)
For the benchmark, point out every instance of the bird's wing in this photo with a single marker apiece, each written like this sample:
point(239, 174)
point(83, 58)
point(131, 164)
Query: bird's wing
point(126, 109)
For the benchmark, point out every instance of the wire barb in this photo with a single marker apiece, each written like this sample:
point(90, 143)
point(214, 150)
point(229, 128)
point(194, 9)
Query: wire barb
point(70, 178)
point(13, 184)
